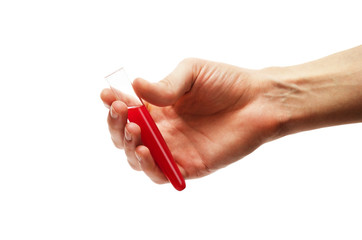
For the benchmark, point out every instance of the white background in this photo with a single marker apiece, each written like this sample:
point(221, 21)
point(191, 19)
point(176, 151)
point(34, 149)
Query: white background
point(61, 177)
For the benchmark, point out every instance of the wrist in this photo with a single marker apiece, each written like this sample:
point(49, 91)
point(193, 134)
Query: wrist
point(280, 93)
point(297, 103)
point(314, 95)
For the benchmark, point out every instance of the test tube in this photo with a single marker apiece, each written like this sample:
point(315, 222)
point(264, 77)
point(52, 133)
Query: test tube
point(150, 135)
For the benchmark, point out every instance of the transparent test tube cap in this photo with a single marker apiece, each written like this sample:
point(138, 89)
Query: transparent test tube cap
point(122, 88)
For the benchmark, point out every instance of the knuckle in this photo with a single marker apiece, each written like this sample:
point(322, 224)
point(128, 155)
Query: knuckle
point(134, 166)
point(191, 63)
point(188, 61)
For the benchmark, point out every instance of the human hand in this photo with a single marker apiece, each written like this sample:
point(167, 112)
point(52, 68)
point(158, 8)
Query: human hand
point(210, 115)
point(213, 114)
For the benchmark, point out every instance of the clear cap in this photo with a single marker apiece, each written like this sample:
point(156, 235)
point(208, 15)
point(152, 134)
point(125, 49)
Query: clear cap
point(122, 88)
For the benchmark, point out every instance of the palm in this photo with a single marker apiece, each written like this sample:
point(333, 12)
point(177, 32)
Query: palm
point(210, 114)
point(202, 129)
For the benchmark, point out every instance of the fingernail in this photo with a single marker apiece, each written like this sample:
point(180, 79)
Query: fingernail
point(127, 135)
point(114, 114)
point(138, 157)
point(107, 106)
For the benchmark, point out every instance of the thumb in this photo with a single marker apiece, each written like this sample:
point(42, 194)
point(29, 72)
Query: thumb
point(171, 88)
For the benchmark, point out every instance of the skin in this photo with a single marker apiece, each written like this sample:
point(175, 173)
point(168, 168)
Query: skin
point(213, 114)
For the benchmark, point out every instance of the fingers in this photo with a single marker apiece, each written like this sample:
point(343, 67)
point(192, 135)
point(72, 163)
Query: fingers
point(171, 88)
point(127, 136)
point(107, 97)
point(124, 135)
point(148, 165)
point(132, 139)
point(138, 156)
point(117, 119)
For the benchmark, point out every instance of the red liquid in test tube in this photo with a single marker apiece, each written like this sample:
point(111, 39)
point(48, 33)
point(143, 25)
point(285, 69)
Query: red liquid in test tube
point(153, 140)
point(150, 134)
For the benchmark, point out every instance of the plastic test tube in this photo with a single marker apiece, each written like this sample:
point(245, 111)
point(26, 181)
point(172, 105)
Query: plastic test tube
point(150, 135)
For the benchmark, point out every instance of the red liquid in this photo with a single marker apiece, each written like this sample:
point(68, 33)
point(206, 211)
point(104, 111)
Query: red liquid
point(153, 140)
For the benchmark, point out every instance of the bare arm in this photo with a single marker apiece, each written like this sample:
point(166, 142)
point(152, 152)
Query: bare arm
point(320, 93)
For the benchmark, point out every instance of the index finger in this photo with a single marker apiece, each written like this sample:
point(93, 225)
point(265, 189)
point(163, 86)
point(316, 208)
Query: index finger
point(107, 96)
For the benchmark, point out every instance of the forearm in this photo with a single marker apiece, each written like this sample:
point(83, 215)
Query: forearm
point(321, 93)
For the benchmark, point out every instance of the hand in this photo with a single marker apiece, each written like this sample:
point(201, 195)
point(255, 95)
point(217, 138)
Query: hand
point(210, 114)
point(213, 114)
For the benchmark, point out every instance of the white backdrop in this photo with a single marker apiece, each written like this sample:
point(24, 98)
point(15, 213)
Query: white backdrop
point(61, 177)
